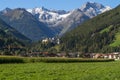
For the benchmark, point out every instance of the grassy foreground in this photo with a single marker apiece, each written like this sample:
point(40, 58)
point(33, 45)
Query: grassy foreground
point(61, 71)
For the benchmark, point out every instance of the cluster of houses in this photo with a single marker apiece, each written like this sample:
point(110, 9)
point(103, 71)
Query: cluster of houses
point(114, 55)
point(53, 40)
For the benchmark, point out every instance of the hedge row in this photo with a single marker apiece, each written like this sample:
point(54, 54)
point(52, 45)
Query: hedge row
point(68, 60)
point(5, 59)
point(11, 60)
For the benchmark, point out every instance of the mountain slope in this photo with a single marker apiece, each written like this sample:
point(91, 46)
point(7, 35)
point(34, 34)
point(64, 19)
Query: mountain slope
point(95, 35)
point(76, 18)
point(26, 23)
point(11, 31)
point(11, 40)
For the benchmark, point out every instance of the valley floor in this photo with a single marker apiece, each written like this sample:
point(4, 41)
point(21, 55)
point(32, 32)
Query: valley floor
point(61, 71)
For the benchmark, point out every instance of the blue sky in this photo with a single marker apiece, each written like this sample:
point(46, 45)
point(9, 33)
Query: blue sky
point(53, 4)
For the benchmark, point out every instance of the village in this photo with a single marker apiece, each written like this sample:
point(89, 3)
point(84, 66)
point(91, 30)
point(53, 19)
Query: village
point(114, 55)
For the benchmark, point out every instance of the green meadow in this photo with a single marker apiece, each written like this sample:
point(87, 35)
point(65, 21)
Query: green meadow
point(116, 41)
point(61, 71)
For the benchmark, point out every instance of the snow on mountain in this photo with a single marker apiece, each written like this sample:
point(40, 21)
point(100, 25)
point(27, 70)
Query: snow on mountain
point(49, 16)
point(107, 8)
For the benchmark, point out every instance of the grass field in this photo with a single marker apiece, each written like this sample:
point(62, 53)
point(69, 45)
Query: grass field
point(116, 41)
point(106, 29)
point(61, 71)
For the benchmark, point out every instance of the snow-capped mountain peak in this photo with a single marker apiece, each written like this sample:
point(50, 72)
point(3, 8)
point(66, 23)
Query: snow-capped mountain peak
point(37, 10)
point(89, 5)
point(49, 16)
point(93, 9)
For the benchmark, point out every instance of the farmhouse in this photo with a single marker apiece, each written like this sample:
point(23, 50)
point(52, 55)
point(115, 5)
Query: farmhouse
point(98, 55)
point(45, 40)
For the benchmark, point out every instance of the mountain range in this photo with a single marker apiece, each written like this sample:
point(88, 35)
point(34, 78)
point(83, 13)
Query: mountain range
point(62, 21)
point(39, 23)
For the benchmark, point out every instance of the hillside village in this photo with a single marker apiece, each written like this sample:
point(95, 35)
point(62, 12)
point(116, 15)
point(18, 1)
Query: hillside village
point(52, 40)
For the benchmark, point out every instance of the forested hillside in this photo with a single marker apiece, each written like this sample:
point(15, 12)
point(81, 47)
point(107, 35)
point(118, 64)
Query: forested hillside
point(100, 34)
point(11, 41)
